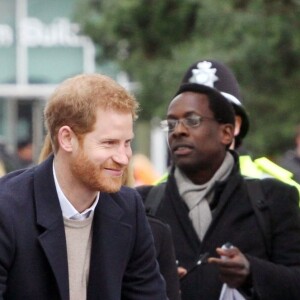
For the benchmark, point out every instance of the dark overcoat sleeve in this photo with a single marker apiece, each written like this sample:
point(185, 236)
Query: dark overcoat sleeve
point(279, 278)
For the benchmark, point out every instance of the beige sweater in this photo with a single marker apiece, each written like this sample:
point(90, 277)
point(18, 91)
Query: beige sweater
point(79, 239)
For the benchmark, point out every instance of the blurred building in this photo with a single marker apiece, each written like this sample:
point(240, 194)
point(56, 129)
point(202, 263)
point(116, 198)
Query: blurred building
point(40, 46)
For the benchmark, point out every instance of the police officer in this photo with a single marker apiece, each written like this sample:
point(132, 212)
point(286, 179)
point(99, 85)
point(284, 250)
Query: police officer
point(222, 78)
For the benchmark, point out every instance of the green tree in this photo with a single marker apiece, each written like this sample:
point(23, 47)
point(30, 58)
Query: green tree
point(155, 41)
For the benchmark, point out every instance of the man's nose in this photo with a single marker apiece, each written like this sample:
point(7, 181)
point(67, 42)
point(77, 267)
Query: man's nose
point(122, 156)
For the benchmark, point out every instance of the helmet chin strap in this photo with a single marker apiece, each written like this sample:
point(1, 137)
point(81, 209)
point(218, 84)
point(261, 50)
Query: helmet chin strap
point(237, 129)
point(237, 125)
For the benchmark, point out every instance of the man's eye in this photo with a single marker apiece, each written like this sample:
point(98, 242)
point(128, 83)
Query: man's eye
point(193, 121)
point(172, 123)
point(128, 143)
point(109, 143)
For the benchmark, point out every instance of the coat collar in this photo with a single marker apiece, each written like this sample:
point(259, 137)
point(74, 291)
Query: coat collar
point(46, 199)
point(49, 217)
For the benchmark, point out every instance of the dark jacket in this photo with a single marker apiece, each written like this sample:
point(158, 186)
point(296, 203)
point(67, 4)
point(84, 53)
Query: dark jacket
point(33, 254)
point(274, 277)
point(165, 255)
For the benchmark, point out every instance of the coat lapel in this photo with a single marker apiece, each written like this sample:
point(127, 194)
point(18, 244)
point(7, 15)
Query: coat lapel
point(224, 197)
point(110, 249)
point(49, 217)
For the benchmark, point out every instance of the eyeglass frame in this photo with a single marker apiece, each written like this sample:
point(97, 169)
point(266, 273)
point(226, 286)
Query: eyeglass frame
point(164, 124)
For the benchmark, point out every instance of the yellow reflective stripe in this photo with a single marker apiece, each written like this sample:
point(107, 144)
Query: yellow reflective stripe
point(248, 167)
point(162, 179)
point(271, 168)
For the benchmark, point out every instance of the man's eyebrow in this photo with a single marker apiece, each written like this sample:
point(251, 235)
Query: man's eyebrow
point(112, 139)
point(187, 114)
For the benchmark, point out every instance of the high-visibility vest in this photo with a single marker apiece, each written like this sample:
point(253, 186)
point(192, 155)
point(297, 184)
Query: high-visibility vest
point(263, 167)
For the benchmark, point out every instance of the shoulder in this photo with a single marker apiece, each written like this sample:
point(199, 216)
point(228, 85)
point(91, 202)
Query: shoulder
point(126, 194)
point(125, 191)
point(126, 198)
point(14, 176)
point(16, 183)
point(279, 194)
point(19, 181)
point(16, 203)
point(273, 185)
point(144, 190)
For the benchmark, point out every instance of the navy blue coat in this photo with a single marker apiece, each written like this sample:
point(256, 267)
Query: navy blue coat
point(33, 254)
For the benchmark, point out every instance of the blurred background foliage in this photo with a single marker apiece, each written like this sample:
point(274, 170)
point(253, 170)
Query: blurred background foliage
point(155, 41)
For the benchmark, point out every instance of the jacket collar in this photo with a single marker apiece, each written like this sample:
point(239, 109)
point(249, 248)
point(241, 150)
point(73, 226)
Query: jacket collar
point(49, 217)
point(45, 195)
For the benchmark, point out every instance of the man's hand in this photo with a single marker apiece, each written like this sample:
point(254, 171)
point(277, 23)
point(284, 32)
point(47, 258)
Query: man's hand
point(234, 266)
point(181, 272)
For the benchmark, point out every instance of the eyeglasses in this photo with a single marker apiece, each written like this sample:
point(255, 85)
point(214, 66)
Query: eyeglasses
point(192, 121)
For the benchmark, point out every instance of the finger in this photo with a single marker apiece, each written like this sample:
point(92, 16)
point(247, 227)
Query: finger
point(181, 272)
point(228, 252)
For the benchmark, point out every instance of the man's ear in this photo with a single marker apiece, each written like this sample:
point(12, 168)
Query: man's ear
point(227, 134)
point(67, 139)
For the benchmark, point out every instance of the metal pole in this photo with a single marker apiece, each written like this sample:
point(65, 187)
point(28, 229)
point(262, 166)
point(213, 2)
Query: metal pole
point(37, 127)
point(21, 49)
point(11, 119)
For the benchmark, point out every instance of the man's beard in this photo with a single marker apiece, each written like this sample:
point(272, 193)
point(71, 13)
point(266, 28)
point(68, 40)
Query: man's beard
point(93, 176)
